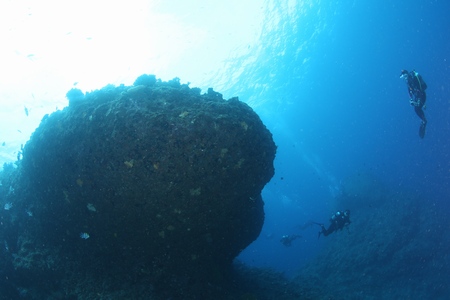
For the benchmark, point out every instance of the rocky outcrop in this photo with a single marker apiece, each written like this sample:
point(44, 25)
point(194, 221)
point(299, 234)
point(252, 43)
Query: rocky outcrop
point(151, 181)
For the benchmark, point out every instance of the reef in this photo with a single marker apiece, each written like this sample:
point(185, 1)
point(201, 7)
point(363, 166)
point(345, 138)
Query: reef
point(154, 184)
point(395, 248)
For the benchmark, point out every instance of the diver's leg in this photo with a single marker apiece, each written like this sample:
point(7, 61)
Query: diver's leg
point(324, 231)
point(423, 124)
point(420, 113)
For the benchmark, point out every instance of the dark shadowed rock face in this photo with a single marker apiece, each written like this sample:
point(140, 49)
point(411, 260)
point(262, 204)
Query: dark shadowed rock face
point(165, 181)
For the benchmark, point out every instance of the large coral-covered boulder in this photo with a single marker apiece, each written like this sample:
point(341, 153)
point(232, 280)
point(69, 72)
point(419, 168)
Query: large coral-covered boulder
point(155, 179)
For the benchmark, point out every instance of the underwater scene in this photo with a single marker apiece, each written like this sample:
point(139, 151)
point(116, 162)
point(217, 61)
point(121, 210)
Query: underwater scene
point(248, 150)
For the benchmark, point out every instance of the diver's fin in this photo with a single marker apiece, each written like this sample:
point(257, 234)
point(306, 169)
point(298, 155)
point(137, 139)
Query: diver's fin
point(307, 224)
point(422, 127)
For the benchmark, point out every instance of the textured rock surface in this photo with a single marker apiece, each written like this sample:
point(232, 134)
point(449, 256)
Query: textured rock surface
point(166, 182)
point(395, 248)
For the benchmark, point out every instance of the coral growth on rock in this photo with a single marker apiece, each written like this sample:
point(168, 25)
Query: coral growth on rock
point(161, 182)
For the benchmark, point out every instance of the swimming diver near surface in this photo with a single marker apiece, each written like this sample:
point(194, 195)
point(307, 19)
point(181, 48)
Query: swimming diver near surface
point(338, 221)
point(417, 96)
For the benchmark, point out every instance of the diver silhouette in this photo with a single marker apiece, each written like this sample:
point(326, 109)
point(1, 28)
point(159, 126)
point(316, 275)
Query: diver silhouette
point(288, 239)
point(338, 221)
point(417, 96)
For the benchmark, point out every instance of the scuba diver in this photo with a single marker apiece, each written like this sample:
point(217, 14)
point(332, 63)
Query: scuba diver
point(338, 221)
point(417, 96)
point(288, 239)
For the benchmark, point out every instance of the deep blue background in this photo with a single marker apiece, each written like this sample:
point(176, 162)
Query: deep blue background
point(336, 106)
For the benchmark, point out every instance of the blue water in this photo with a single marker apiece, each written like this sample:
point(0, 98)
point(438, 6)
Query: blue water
point(336, 106)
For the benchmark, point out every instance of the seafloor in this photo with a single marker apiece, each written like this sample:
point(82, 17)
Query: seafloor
point(397, 247)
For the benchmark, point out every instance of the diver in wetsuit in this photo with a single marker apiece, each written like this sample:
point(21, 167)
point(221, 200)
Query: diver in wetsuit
point(417, 96)
point(338, 221)
point(288, 239)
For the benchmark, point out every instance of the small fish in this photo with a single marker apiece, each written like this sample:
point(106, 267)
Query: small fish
point(29, 212)
point(8, 206)
point(26, 110)
point(91, 207)
point(84, 235)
